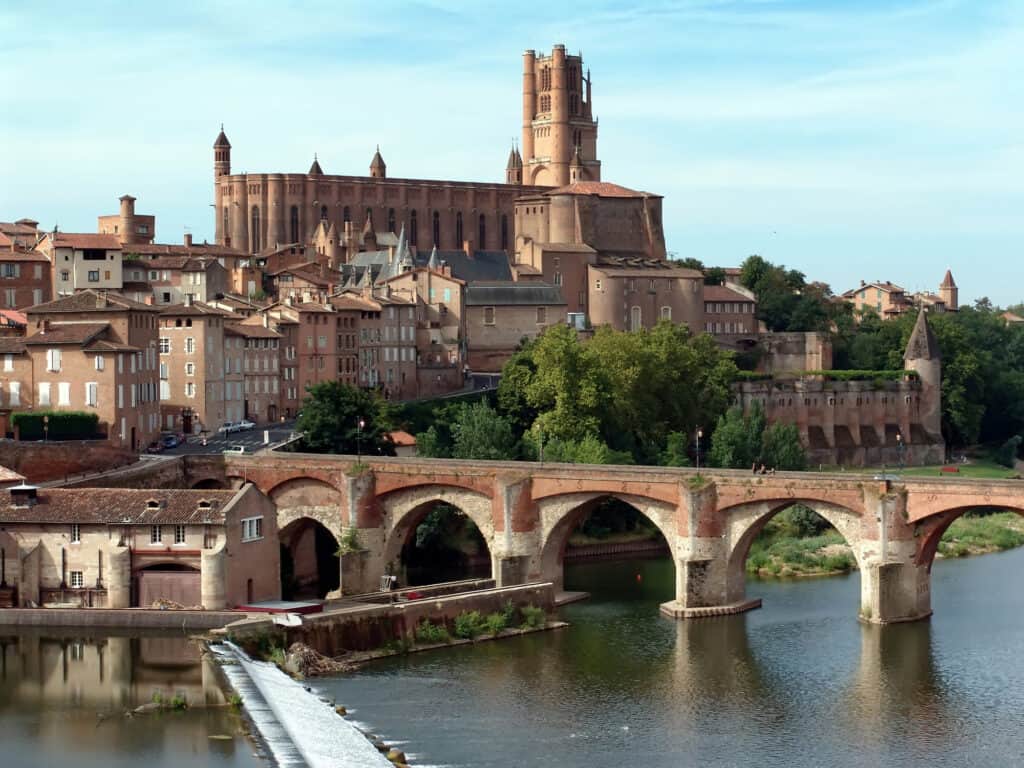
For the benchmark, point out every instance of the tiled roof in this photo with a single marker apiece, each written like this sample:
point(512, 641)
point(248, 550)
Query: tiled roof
point(105, 345)
point(162, 251)
point(636, 267)
point(9, 476)
point(565, 247)
point(86, 240)
point(12, 317)
point(513, 294)
point(12, 345)
point(21, 255)
point(402, 438)
point(722, 293)
point(16, 228)
point(599, 188)
point(251, 331)
point(89, 301)
point(195, 309)
point(67, 333)
point(194, 263)
point(117, 505)
point(351, 301)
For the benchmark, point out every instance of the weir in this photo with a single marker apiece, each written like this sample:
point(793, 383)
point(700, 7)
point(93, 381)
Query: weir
point(298, 728)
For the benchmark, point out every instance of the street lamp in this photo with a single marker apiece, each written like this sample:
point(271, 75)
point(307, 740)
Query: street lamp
point(900, 448)
point(359, 437)
point(700, 434)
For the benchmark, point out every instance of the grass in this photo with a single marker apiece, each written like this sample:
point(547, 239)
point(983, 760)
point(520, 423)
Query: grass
point(809, 556)
point(977, 534)
point(978, 469)
point(429, 633)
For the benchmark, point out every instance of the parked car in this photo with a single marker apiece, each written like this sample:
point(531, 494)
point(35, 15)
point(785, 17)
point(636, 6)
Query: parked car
point(155, 447)
point(245, 425)
point(228, 427)
point(235, 449)
point(169, 441)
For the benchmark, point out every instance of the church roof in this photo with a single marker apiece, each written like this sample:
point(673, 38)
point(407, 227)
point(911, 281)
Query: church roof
point(947, 281)
point(434, 262)
point(922, 345)
point(315, 169)
point(598, 188)
point(378, 161)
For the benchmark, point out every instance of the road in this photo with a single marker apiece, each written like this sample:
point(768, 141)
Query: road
point(217, 442)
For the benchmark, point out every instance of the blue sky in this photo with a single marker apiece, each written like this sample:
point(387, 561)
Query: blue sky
point(875, 140)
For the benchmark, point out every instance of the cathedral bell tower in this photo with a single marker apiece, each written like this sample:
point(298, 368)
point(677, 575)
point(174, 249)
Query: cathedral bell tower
point(221, 167)
point(559, 128)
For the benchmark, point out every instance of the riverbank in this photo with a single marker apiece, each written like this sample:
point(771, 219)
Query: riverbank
point(828, 554)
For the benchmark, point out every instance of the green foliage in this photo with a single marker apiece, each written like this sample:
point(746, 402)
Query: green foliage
point(742, 441)
point(971, 534)
point(479, 432)
point(330, 421)
point(431, 445)
point(675, 453)
point(589, 450)
point(1009, 451)
point(533, 617)
point(431, 634)
point(235, 700)
point(786, 302)
point(60, 425)
point(469, 624)
point(349, 542)
point(781, 447)
point(277, 656)
point(496, 622)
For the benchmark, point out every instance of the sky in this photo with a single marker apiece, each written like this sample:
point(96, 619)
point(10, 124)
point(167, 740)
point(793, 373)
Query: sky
point(850, 140)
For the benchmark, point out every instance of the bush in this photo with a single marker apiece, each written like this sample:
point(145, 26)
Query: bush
point(496, 623)
point(60, 425)
point(430, 633)
point(469, 624)
point(1008, 451)
point(533, 617)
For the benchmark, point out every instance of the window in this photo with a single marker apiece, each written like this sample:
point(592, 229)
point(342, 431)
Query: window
point(294, 223)
point(91, 393)
point(65, 275)
point(53, 360)
point(666, 313)
point(558, 278)
point(190, 369)
point(597, 284)
point(64, 393)
point(482, 233)
point(190, 389)
point(252, 528)
point(437, 228)
point(15, 389)
point(179, 534)
point(447, 295)
point(94, 276)
point(100, 362)
point(190, 345)
point(488, 315)
point(11, 297)
point(8, 362)
point(413, 230)
point(155, 534)
point(10, 270)
point(77, 580)
point(542, 315)
point(635, 319)
point(254, 232)
point(458, 229)
point(76, 533)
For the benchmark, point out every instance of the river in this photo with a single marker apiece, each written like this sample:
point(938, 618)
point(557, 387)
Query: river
point(798, 683)
point(65, 697)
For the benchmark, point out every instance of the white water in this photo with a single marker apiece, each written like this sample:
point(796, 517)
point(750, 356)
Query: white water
point(298, 728)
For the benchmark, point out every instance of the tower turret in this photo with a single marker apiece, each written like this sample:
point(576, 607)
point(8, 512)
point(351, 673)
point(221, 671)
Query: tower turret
point(923, 357)
point(369, 233)
point(315, 169)
point(514, 167)
point(949, 292)
point(378, 168)
point(557, 118)
point(221, 155)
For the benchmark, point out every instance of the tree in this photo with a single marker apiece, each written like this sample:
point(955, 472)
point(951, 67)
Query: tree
point(480, 432)
point(330, 418)
point(430, 444)
point(736, 441)
point(781, 447)
point(589, 450)
point(676, 451)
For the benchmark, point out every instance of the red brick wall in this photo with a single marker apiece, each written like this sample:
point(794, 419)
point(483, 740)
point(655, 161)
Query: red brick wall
point(40, 462)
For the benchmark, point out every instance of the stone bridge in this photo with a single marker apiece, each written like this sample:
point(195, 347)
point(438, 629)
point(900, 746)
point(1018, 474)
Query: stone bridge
point(526, 512)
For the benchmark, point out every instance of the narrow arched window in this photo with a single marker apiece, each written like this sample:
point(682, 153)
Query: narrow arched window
point(226, 232)
point(391, 219)
point(323, 213)
point(346, 214)
point(482, 234)
point(458, 229)
point(294, 223)
point(437, 228)
point(254, 234)
point(504, 232)
point(413, 233)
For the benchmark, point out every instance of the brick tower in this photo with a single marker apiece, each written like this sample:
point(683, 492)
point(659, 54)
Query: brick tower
point(558, 120)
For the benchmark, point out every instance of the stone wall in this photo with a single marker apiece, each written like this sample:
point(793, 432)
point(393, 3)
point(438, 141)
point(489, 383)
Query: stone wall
point(42, 462)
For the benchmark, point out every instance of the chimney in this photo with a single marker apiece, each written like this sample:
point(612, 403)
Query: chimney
point(101, 300)
point(446, 269)
point(188, 239)
point(266, 319)
point(467, 248)
point(188, 299)
point(24, 495)
point(44, 326)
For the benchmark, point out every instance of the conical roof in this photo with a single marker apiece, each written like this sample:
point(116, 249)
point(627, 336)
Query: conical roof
point(221, 142)
point(922, 345)
point(368, 225)
point(435, 262)
point(511, 164)
point(315, 169)
point(577, 158)
point(947, 281)
point(377, 164)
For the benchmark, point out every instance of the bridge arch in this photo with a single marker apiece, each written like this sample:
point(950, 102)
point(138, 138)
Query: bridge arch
point(930, 530)
point(308, 497)
point(310, 566)
point(403, 511)
point(560, 515)
point(742, 523)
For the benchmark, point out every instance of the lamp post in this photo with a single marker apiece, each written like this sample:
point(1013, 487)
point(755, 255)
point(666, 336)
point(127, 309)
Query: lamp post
point(900, 448)
point(359, 437)
point(700, 434)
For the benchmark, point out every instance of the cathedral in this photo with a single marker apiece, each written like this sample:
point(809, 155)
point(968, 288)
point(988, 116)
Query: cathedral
point(257, 212)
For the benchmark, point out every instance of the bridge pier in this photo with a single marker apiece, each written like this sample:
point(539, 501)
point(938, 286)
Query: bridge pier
point(893, 592)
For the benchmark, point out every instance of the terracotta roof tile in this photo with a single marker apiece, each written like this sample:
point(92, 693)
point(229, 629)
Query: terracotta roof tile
point(85, 240)
point(251, 331)
point(723, 293)
point(67, 333)
point(89, 301)
point(599, 188)
point(196, 308)
point(12, 345)
point(116, 505)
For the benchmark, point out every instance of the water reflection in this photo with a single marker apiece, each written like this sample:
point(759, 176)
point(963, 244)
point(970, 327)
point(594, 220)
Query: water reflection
point(69, 697)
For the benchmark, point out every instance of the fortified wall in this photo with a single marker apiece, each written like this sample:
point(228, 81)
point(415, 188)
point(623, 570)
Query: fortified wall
point(876, 418)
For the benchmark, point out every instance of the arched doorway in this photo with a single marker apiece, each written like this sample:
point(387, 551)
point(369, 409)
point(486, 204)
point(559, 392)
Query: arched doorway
point(176, 583)
point(310, 566)
point(439, 542)
point(609, 545)
point(212, 484)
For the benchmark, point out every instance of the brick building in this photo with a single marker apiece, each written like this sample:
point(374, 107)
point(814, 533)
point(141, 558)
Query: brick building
point(261, 368)
point(81, 261)
point(24, 275)
point(499, 316)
